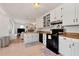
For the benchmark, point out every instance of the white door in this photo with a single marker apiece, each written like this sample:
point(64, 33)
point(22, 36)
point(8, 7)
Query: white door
point(68, 14)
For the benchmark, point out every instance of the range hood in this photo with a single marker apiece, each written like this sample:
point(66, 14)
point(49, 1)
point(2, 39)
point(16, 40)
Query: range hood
point(56, 22)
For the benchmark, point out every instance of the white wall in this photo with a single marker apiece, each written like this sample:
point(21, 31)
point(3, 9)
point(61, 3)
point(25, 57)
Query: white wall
point(18, 22)
point(4, 23)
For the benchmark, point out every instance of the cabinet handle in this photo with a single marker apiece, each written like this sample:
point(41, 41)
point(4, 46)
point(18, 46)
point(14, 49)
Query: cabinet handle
point(74, 20)
point(69, 46)
point(73, 44)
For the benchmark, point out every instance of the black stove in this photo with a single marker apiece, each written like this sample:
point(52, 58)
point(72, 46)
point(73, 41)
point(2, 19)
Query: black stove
point(53, 42)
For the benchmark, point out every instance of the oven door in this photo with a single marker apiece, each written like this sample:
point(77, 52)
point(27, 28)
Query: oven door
point(52, 42)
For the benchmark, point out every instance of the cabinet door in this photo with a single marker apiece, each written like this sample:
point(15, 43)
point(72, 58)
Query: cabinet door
point(68, 47)
point(55, 14)
point(68, 14)
point(65, 46)
point(77, 14)
point(75, 49)
point(52, 16)
point(39, 22)
point(59, 12)
point(61, 45)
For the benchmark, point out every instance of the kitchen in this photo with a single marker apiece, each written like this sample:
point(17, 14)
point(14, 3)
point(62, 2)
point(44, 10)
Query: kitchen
point(56, 29)
point(59, 18)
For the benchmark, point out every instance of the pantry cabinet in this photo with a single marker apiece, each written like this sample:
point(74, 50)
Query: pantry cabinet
point(68, 46)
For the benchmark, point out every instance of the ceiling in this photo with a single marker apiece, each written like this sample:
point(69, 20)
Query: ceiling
point(26, 10)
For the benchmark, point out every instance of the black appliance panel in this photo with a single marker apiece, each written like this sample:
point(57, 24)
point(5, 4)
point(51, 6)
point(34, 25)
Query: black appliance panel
point(41, 37)
point(53, 43)
point(19, 30)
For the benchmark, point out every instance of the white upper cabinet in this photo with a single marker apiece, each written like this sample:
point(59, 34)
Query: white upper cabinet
point(39, 22)
point(56, 14)
point(52, 16)
point(69, 14)
point(77, 14)
point(59, 12)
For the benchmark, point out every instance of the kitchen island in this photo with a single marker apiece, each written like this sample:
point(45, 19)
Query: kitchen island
point(31, 37)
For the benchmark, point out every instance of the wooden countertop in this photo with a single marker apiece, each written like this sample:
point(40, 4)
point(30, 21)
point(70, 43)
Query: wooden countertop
point(71, 35)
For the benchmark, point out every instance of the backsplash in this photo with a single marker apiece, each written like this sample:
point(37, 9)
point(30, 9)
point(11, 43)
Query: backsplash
point(74, 29)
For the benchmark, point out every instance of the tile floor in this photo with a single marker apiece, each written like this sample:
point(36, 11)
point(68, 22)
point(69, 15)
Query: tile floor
point(20, 49)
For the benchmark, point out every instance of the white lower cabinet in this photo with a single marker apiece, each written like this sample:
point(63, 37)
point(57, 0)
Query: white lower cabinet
point(68, 46)
point(75, 47)
point(44, 38)
point(67, 49)
point(61, 45)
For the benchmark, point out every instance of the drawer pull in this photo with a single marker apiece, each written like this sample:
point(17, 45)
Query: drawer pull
point(69, 46)
point(73, 44)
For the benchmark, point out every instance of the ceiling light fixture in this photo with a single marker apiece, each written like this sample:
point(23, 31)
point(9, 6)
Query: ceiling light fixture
point(36, 5)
